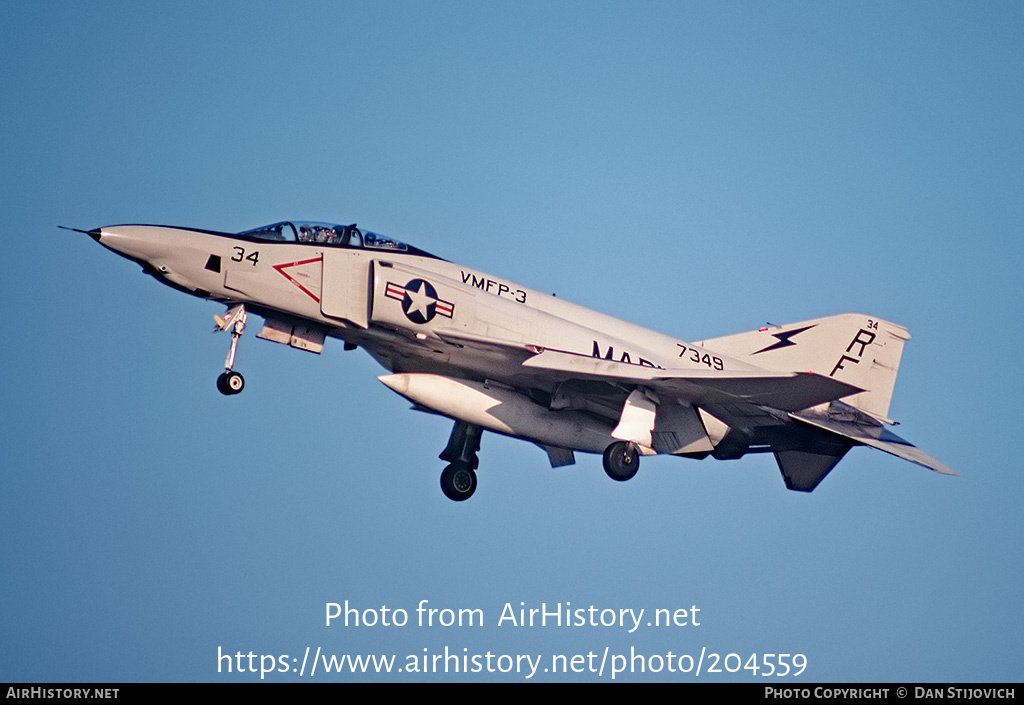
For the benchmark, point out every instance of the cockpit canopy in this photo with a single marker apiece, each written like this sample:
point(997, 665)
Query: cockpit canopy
point(329, 234)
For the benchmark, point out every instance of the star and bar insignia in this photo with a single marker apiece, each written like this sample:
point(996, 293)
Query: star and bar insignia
point(420, 302)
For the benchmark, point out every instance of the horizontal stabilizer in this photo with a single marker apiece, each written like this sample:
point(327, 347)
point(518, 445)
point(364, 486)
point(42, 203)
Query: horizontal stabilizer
point(877, 437)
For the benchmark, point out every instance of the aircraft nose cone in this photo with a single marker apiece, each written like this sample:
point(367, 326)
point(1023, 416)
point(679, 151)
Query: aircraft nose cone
point(111, 240)
point(108, 237)
point(136, 242)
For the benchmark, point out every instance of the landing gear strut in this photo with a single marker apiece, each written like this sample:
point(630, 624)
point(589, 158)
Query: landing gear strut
point(621, 460)
point(458, 480)
point(231, 382)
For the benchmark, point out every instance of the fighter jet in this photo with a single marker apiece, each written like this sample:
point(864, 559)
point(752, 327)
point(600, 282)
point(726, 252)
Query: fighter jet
point(494, 355)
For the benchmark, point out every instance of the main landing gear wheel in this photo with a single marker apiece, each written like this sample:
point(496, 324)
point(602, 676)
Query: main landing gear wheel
point(230, 383)
point(621, 460)
point(458, 482)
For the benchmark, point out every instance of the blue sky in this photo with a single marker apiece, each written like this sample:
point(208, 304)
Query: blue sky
point(699, 168)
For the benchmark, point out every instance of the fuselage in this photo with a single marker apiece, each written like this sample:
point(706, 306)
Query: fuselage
point(492, 354)
point(399, 304)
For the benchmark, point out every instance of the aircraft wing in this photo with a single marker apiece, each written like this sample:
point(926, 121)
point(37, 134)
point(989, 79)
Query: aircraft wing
point(786, 391)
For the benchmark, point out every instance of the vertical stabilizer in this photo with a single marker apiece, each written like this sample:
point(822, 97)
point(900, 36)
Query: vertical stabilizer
point(852, 348)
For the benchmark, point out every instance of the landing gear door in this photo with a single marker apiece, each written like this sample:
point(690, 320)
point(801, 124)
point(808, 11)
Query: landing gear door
point(346, 286)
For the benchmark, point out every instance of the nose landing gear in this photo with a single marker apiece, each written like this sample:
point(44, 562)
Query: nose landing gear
point(231, 382)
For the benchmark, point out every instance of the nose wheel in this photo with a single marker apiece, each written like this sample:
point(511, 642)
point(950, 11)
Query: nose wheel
point(231, 382)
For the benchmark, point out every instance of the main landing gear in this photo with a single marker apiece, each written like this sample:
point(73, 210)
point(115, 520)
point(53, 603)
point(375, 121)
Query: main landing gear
point(458, 480)
point(231, 382)
point(621, 460)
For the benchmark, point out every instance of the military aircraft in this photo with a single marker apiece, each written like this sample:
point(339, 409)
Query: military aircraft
point(493, 355)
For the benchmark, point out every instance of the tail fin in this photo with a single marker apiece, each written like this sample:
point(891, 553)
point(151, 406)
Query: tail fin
point(851, 348)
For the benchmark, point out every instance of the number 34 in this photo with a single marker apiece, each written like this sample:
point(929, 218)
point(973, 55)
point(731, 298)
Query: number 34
point(240, 255)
